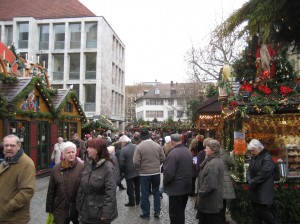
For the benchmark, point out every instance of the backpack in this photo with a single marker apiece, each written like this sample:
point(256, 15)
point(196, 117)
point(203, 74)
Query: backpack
point(276, 172)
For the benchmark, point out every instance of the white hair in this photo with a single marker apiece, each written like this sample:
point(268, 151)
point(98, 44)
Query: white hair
point(66, 145)
point(255, 144)
point(124, 138)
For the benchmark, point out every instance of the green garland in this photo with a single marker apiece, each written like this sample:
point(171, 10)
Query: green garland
point(7, 79)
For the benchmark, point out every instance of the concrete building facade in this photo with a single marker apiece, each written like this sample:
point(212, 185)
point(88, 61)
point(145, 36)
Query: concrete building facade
point(78, 49)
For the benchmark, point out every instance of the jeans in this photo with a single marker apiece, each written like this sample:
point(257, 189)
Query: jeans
point(133, 190)
point(177, 206)
point(145, 203)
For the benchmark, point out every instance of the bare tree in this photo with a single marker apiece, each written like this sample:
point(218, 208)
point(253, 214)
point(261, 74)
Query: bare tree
point(205, 62)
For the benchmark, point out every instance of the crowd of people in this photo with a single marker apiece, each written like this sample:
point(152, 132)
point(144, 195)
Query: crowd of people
point(87, 173)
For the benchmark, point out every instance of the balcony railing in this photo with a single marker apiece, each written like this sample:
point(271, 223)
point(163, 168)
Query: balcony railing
point(90, 75)
point(23, 43)
point(74, 44)
point(91, 44)
point(74, 75)
point(89, 106)
point(59, 45)
point(58, 75)
point(43, 45)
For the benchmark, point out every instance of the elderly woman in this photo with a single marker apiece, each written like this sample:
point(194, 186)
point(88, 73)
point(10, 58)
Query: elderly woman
point(63, 185)
point(210, 185)
point(96, 200)
point(261, 182)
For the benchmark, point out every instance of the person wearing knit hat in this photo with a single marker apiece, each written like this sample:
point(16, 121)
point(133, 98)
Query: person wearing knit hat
point(131, 174)
point(178, 170)
point(210, 184)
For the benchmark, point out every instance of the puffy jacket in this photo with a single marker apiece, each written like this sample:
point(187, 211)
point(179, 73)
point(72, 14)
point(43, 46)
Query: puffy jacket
point(57, 199)
point(261, 180)
point(96, 197)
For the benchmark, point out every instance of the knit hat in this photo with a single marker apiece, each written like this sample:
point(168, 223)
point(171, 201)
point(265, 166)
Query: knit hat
point(145, 134)
point(167, 139)
point(214, 145)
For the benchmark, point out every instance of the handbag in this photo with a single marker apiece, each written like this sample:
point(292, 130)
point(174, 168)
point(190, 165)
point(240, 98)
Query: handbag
point(73, 213)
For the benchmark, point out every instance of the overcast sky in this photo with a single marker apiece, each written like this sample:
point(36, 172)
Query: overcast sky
point(158, 33)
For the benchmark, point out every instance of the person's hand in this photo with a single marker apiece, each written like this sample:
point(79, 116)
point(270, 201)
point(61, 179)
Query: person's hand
point(104, 221)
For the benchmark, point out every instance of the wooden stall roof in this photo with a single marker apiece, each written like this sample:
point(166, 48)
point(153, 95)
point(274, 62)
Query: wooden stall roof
point(10, 90)
point(59, 97)
point(210, 106)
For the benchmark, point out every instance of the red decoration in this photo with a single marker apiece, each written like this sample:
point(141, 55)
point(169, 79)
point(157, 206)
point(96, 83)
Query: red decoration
point(246, 187)
point(246, 87)
point(266, 90)
point(285, 90)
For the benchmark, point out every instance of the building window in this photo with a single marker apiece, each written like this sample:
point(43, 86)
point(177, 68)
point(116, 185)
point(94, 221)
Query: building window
point(90, 97)
point(139, 103)
point(44, 60)
point(154, 113)
point(58, 67)
point(74, 67)
point(57, 86)
point(44, 37)
point(155, 102)
point(8, 35)
point(91, 35)
point(180, 102)
point(75, 35)
point(179, 113)
point(59, 36)
point(69, 107)
point(171, 114)
point(170, 101)
point(75, 89)
point(156, 92)
point(139, 115)
point(90, 68)
point(23, 35)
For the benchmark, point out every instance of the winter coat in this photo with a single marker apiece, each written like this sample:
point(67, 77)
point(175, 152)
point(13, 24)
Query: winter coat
point(96, 197)
point(167, 147)
point(210, 185)
point(178, 171)
point(57, 198)
point(147, 157)
point(17, 184)
point(56, 153)
point(126, 161)
point(228, 190)
point(261, 180)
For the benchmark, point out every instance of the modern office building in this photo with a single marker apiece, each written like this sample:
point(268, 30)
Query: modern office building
point(79, 50)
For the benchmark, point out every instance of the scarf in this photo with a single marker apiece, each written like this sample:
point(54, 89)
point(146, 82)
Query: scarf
point(208, 158)
point(14, 159)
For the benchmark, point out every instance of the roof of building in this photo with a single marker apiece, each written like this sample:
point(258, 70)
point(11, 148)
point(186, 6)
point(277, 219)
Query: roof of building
point(59, 97)
point(210, 106)
point(10, 90)
point(43, 9)
point(172, 90)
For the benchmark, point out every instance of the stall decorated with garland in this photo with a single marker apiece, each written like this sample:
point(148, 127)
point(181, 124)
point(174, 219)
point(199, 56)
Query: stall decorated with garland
point(32, 110)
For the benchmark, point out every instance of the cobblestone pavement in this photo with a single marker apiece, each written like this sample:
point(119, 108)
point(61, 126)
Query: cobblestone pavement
point(127, 215)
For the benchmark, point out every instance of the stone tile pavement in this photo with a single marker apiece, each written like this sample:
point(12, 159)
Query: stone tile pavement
point(127, 215)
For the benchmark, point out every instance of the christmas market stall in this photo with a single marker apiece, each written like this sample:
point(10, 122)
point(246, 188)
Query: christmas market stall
point(265, 107)
point(32, 110)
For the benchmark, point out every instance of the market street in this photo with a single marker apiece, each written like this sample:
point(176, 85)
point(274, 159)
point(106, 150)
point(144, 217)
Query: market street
point(129, 215)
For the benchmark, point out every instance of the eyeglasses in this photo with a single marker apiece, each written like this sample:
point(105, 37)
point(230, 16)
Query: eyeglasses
point(9, 145)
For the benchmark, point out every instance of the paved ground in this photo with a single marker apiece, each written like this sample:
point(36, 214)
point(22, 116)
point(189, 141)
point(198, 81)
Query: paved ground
point(127, 215)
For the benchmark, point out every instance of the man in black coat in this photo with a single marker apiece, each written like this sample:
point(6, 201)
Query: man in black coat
point(261, 182)
point(178, 171)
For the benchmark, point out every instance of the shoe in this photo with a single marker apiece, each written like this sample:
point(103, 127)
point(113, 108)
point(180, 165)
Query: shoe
point(129, 205)
point(192, 195)
point(145, 217)
point(137, 203)
point(156, 215)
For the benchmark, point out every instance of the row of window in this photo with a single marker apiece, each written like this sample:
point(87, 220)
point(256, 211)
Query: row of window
point(59, 35)
point(159, 114)
point(160, 102)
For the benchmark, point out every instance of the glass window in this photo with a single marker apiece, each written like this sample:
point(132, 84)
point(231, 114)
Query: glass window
point(179, 113)
point(44, 37)
point(91, 35)
point(74, 66)
point(23, 35)
point(69, 107)
point(90, 97)
point(75, 89)
point(59, 36)
point(90, 69)
point(180, 102)
point(153, 113)
point(139, 115)
point(171, 114)
point(75, 35)
point(170, 101)
point(8, 35)
point(58, 67)
point(57, 86)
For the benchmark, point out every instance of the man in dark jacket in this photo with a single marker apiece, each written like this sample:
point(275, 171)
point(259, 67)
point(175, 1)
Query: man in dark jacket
point(131, 174)
point(261, 182)
point(178, 171)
